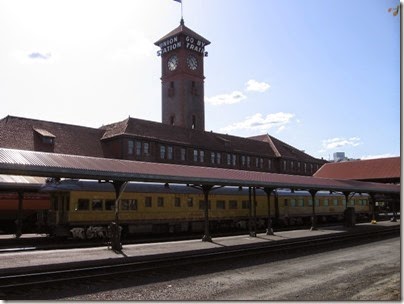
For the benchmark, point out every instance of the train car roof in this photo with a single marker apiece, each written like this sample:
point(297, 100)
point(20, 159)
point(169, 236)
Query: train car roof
point(72, 166)
point(95, 186)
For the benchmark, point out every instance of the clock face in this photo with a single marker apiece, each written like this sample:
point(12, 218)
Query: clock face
point(172, 62)
point(192, 62)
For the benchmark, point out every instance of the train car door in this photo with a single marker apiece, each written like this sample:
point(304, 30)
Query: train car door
point(59, 208)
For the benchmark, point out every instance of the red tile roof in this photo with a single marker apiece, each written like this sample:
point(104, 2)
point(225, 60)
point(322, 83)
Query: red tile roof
point(72, 166)
point(282, 149)
point(372, 169)
point(18, 133)
point(187, 137)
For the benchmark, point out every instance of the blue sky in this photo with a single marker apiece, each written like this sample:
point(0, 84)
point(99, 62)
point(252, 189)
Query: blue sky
point(323, 76)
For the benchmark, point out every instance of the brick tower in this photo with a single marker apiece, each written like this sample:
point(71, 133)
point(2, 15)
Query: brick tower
point(182, 53)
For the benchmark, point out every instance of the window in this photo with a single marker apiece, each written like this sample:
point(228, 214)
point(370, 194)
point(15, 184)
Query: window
point(228, 159)
point(232, 204)
point(169, 152)
point(218, 158)
point(96, 205)
point(148, 201)
point(195, 155)
point(190, 202)
point(160, 202)
point(212, 157)
point(131, 147)
point(146, 150)
point(127, 205)
point(183, 154)
point(292, 202)
point(242, 160)
point(47, 140)
point(234, 159)
point(245, 204)
point(193, 122)
point(202, 205)
point(300, 202)
point(177, 202)
point(261, 163)
point(162, 152)
point(110, 205)
point(325, 202)
point(201, 156)
point(335, 202)
point(248, 161)
point(83, 204)
point(269, 164)
point(284, 165)
point(220, 204)
point(138, 146)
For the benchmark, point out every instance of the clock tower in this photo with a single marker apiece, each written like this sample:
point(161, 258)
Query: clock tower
point(182, 79)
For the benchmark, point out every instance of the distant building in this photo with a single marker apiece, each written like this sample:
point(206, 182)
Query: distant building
point(339, 156)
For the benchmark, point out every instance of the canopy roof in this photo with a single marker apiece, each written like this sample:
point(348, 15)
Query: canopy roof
point(379, 170)
point(20, 162)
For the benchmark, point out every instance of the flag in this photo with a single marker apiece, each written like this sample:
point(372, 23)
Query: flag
point(180, 1)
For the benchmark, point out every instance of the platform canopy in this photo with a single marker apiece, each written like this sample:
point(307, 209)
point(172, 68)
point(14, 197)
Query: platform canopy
point(41, 164)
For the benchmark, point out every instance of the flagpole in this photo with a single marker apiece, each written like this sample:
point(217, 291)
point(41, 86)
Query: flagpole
point(182, 15)
point(182, 11)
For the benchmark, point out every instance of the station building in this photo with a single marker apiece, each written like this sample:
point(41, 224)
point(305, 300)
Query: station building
point(180, 138)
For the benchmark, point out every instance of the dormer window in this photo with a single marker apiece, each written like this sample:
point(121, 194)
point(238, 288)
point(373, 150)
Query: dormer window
point(46, 136)
point(44, 140)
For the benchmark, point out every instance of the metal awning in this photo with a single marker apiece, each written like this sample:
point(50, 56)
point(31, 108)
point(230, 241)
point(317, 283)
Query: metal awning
point(41, 164)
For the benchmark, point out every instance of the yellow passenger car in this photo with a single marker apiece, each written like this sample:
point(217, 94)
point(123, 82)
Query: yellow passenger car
point(86, 208)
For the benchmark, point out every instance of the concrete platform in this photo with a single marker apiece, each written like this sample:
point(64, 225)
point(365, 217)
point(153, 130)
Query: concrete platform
point(46, 259)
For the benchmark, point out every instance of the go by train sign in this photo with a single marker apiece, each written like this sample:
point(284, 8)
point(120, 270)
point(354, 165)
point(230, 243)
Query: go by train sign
point(179, 41)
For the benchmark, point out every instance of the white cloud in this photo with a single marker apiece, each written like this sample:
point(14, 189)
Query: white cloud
point(255, 86)
point(337, 142)
point(258, 122)
point(30, 57)
point(41, 56)
point(232, 98)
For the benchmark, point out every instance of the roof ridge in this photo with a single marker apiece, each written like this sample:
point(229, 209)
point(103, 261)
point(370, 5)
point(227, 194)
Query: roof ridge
point(273, 146)
point(44, 121)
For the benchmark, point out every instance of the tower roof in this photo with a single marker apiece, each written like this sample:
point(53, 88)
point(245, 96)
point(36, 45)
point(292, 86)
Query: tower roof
point(182, 29)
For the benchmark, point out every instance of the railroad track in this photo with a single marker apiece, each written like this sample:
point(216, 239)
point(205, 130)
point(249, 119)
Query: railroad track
point(14, 282)
point(48, 243)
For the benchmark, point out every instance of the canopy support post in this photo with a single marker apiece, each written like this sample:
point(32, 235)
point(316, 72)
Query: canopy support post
point(268, 192)
point(18, 221)
point(313, 213)
point(114, 229)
